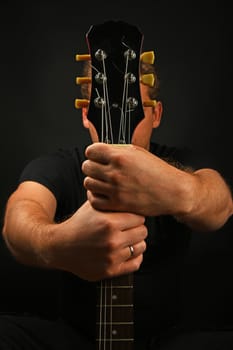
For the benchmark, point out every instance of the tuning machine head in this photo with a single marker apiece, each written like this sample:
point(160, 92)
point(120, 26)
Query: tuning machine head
point(81, 103)
point(148, 79)
point(82, 57)
point(148, 57)
point(149, 103)
point(83, 80)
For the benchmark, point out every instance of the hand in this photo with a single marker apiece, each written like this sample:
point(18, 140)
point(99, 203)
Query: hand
point(129, 178)
point(95, 245)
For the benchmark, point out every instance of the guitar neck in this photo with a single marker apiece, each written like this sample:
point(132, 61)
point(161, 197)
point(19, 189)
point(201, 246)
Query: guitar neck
point(114, 321)
point(114, 110)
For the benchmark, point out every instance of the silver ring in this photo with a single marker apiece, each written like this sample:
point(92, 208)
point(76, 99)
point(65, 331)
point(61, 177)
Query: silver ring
point(131, 248)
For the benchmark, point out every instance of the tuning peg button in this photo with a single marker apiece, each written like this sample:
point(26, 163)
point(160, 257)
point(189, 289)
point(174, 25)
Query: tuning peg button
point(83, 80)
point(148, 57)
point(148, 79)
point(149, 103)
point(81, 103)
point(85, 57)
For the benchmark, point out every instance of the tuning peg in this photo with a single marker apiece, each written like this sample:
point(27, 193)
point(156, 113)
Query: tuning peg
point(149, 103)
point(147, 57)
point(148, 79)
point(83, 80)
point(85, 57)
point(81, 103)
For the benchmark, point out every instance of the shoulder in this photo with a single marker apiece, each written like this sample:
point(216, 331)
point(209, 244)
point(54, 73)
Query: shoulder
point(54, 161)
point(59, 170)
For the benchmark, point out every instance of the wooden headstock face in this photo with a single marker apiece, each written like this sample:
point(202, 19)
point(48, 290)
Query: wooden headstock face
point(115, 106)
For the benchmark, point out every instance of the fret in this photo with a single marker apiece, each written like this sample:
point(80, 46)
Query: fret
point(115, 287)
point(115, 326)
point(116, 323)
point(115, 296)
point(116, 340)
point(115, 305)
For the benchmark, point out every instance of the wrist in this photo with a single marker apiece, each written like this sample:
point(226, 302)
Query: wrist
point(191, 192)
point(47, 245)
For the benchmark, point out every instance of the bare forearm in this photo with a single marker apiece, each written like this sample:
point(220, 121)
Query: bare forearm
point(90, 244)
point(210, 201)
point(145, 184)
point(27, 232)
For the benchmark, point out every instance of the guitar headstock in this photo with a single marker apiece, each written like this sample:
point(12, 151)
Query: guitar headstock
point(115, 107)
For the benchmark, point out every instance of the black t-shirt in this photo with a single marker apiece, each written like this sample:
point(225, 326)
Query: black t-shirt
point(156, 284)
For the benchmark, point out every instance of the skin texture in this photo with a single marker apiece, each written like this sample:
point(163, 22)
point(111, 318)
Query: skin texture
point(158, 187)
point(124, 184)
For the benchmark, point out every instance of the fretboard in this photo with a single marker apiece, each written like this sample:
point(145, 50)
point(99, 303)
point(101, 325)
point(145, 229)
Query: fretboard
point(114, 320)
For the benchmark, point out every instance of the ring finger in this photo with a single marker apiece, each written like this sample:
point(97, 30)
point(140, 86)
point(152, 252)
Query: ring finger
point(133, 251)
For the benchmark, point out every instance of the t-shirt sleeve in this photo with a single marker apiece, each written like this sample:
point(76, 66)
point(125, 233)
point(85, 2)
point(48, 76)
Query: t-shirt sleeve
point(47, 170)
point(60, 172)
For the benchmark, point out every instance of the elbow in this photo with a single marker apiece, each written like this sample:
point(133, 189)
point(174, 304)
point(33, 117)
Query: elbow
point(8, 242)
point(8, 234)
point(208, 200)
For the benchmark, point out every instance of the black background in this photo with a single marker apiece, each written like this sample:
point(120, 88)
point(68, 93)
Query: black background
point(192, 41)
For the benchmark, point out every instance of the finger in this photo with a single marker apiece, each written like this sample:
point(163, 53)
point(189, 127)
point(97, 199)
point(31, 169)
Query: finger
point(99, 152)
point(95, 170)
point(135, 235)
point(103, 153)
point(103, 200)
point(97, 186)
point(131, 265)
point(133, 251)
point(124, 222)
point(98, 201)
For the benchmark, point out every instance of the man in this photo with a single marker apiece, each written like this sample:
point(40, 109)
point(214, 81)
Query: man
point(134, 214)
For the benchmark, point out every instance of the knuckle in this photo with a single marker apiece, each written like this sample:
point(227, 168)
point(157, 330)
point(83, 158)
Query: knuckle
point(107, 225)
point(114, 178)
point(118, 160)
point(85, 166)
point(109, 261)
point(145, 231)
point(144, 246)
point(111, 246)
point(109, 273)
point(86, 182)
point(137, 262)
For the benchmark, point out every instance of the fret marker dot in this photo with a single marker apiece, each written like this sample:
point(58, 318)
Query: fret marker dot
point(114, 332)
point(114, 296)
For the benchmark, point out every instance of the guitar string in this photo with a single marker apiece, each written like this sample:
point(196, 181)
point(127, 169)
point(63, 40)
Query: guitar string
point(100, 313)
point(123, 105)
point(127, 113)
point(126, 86)
point(106, 121)
point(106, 118)
point(105, 315)
point(107, 110)
point(110, 328)
point(103, 292)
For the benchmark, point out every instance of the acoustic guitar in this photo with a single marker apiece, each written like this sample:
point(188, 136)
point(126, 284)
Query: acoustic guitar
point(115, 108)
